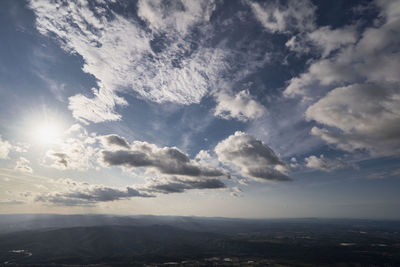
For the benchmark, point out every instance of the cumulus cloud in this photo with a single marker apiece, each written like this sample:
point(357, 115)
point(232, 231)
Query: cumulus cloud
point(157, 63)
point(254, 158)
point(354, 92)
point(242, 106)
point(367, 116)
point(279, 17)
point(374, 57)
point(22, 165)
point(326, 164)
point(167, 160)
point(5, 148)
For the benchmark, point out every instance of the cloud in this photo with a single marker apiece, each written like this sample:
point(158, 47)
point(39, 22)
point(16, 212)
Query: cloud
point(77, 151)
point(78, 193)
point(323, 39)
point(74, 193)
point(292, 16)
point(242, 106)
point(374, 57)
point(179, 16)
point(354, 92)
point(384, 174)
point(11, 202)
point(157, 63)
point(325, 164)
point(254, 158)
point(167, 160)
point(364, 116)
point(22, 165)
point(169, 185)
point(115, 140)
point(5, 148)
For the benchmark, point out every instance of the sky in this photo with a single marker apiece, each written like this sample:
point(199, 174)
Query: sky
point(253, 109)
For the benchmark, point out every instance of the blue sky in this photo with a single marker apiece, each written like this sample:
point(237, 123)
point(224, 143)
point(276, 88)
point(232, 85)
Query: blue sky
point(206, 108)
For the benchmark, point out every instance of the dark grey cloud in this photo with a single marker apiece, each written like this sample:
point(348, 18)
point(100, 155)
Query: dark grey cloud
point(254, 158)
point(176, 185)
point(167, 160)
point(115, 140)
point(61, 158)
point(84, 194)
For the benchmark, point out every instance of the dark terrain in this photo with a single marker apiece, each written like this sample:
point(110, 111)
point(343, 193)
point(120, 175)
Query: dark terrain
point(54, 240)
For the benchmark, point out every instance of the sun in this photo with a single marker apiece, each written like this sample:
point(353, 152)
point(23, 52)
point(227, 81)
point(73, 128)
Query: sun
point(47, 133)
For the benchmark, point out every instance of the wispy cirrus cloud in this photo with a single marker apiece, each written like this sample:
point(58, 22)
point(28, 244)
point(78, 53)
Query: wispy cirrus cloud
point(285, 16)
point(126, 57)
point(168, 58)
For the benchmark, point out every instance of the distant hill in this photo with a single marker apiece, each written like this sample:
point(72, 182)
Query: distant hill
point(107, 243)
point(107, 240)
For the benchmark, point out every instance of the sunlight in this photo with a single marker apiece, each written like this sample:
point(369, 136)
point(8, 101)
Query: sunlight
point(47, 133)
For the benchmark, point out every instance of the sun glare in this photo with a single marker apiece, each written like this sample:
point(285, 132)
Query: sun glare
point(47, 133)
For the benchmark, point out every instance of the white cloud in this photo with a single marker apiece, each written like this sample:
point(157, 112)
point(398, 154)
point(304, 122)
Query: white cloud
point(328, 39)
point(242, 106)
point(122, 55)
point(374, 58)
point(177, 16)
point(360, 110)
point(5, 148)
point(285, 18)
point(22, 165)
point(366, 116)
point(326, 164)
point(253, 158)
point(324, 39)
point(78, 151)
